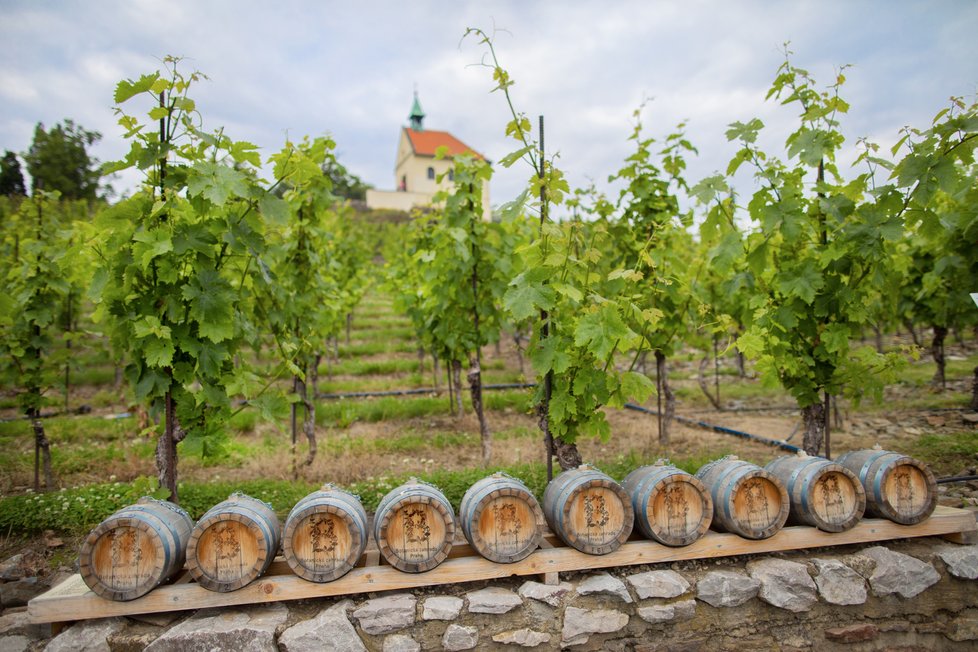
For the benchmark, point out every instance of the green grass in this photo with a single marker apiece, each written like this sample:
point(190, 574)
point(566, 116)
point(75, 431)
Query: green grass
point(948, 453)
point(409, 381)
point(344, 412)
point(371, 367)
point(378, 347)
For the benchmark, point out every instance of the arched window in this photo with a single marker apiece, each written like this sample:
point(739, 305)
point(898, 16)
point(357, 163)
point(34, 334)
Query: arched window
point(431, 173)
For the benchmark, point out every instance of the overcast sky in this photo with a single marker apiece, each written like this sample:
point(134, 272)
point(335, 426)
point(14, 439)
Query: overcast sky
point(349, 68)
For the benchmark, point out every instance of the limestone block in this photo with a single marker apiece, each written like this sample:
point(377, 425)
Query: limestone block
point(441, 607)
point(458, 637)
point(604, 583)
point(328, 625)
point(839, 584)
point(579, 624)
point(244, 630)
point(401, 643)
point(522, 637)
point(961, 561)
point(387, 614)
point(784, 584)
point(493, 600)
point(895, 572)
point(725, 588)
point(551, 595)
point(658, 584)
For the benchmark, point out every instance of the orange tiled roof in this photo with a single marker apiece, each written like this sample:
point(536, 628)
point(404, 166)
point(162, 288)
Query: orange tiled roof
point(424, 143)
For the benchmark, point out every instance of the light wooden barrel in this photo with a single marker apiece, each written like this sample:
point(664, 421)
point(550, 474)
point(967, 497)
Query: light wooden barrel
point(325, 534)
point(588, 510)
point(233, 543)
point(136, 549)
point(822, 494)
point(501, 519)
point(414, 527)
point(670, 505)
point(747, 500)
point(899, 488)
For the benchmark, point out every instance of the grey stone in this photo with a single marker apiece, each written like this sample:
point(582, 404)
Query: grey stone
point(579, 624)
point(88, 636)
point(962, 629)
point(20, 592)
point(522, 637)
point(784, 584)
point(552, 595)
point(604, 583)
point(328, 625)
point(458, 637)
point(493, 601)
point(895, 572)
point(385, 615)
point(233, 630)
point(676, 611)
point(839, 584)
point(401, 643)
point(11, 569)
point(17, 643)
point(724, 588)
point(961, 561)
point(658, 584)
point(441, 607)
point(14, 622)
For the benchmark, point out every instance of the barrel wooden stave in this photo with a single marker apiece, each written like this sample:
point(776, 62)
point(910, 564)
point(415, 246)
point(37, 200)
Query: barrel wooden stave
point(233, 543)
point(821, 493)
point(588, 510)
point(747, 500)
point(670, 505)
point(324, 535)
point(112, 560)
point(414, 527)
point(501, 519)
point(898, 487)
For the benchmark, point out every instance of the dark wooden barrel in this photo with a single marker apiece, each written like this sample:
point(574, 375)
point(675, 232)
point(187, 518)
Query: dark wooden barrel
point(588, 510)
point(747, 500)
point(414, 527)
point(822, 494)
point(325, 534)
point(501, 519)
point(670, 505)
point(136, 549)
point(233, 543)
point(898, 487)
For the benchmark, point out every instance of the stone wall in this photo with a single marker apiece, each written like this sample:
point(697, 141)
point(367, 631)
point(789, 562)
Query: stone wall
point(909, 595)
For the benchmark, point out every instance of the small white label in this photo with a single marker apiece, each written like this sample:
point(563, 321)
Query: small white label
point(974, 297)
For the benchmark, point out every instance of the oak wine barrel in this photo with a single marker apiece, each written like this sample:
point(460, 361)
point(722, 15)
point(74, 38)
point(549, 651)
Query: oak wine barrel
point(136, 549)
point(747, 500)
point(501, 519)
point(233, 543)
point(325, 534)
point(670, 505)
point(588, 510)
point(898, 487)
point(821, 493)
point(414, 527)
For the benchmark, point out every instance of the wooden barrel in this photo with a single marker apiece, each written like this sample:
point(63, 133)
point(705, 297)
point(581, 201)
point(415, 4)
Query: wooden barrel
point(747, 500)
point(414, 527)
point(588, 510)
point(899, 488)
point(325, 534)
point(671, 506)
point(822, 494)
point(501, 519)
point(233, 543)
point(135, 549)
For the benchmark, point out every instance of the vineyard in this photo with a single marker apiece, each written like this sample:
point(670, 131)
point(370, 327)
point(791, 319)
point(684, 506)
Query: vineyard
point(221, 331)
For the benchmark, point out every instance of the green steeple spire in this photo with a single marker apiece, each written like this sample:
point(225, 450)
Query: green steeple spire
point(417, 115)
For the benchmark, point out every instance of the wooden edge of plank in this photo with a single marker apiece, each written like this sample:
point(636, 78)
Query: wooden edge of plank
point(72, 599)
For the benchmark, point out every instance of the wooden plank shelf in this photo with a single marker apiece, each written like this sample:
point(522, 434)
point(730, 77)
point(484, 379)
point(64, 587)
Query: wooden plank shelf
point(72, 600)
